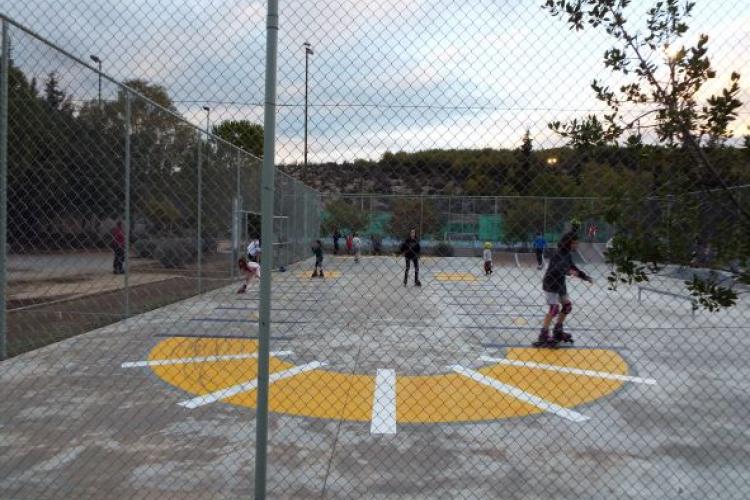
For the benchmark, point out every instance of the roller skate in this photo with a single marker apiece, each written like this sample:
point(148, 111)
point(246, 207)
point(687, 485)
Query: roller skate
point(544, 339)
point(560, 336)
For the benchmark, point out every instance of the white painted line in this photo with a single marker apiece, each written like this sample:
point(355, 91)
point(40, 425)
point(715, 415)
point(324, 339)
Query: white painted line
point(247, 386)
point(199, 359)
point(518, 264)
point(384, 403)
point(580, 254)
point(517, 393)
point(567, 369)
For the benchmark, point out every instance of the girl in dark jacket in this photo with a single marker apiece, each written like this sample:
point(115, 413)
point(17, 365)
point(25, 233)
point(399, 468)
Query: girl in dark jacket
point(556, 291)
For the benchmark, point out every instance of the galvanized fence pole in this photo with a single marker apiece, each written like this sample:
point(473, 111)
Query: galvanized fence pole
point(126, 276)
point(4, 70)
point(267, 194)
point(200, 212)
point(237, 207)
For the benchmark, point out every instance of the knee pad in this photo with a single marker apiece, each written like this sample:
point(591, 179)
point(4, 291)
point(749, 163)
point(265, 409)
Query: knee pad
point(567, 307)
point(554, 310)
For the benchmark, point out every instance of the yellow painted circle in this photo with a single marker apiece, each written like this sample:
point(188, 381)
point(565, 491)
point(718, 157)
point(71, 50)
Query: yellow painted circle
point(448, 397)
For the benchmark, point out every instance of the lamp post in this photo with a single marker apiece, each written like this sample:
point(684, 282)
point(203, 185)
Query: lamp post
point(208, 119)
point(99, 62)
point(308, 53)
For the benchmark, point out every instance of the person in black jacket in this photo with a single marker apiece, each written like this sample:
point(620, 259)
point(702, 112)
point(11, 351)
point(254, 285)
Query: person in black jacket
point(556, 291)
point(410, 249)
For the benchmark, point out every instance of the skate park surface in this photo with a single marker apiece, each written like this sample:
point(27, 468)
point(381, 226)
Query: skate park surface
point(381, 390)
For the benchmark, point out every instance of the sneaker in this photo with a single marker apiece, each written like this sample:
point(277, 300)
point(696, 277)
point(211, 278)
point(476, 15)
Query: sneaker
point(314, 274)
point(242, 289)
point(321, 274)
point(417, 283)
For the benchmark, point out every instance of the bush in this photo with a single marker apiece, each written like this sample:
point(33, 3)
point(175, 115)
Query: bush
point(210, 245)
point(145, 248)
point(443, 249)
point(176, 252)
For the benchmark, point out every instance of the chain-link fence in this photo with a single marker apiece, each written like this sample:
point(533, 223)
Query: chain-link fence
point(491, 278)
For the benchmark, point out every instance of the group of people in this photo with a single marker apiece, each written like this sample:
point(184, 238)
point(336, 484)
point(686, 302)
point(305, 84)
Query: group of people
point(352, 242)
point(554, 286)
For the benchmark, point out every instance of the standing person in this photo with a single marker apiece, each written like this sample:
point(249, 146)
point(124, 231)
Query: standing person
point(608, 252)
point(357, 245)
point(118, 247)
point(592, 232)
point(553, 284)
point(410, 249)
point(250, 270)
point(575, 225)
point(487, 256)
point(349, 244)
point(539, 245)
point(253, 250)
point(317, 249)
point(377, 244)
point(336, 238)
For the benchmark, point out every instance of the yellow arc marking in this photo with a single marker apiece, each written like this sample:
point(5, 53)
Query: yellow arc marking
point(455, 277)
point(326, 274)
point(447, 397)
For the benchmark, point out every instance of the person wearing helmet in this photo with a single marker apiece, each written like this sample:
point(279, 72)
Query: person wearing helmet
point(487, 255)
point(555, 289)
point(575, 224)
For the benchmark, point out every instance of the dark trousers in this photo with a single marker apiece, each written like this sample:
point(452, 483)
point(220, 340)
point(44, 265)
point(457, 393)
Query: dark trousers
point(416, 269)
point(119, 259)
point(539, 253)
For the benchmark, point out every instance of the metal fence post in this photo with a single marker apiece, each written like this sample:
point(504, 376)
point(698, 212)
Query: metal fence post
point(200, 212)
point(4, 70)
point(421, 215)
point(126, 276)
point(267, 194)
point(236, 219)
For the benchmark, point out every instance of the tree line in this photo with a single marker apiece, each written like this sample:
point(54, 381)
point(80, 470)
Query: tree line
point(67, 179)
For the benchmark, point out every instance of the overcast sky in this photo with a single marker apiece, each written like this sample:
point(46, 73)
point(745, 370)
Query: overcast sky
point(386, 76)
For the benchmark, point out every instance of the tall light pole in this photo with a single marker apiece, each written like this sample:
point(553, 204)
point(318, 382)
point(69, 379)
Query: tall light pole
point(208, 119)
point(99, 62)
point(308, 53)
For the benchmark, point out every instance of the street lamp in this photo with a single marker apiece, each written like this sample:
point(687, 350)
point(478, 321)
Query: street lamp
point(99, 62)
point(308, 53)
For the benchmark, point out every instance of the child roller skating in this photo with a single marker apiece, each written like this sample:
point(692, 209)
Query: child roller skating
point(411, 250)
point(317, 249)
point(556, 292)
point(487, 257)
point(250, 270)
